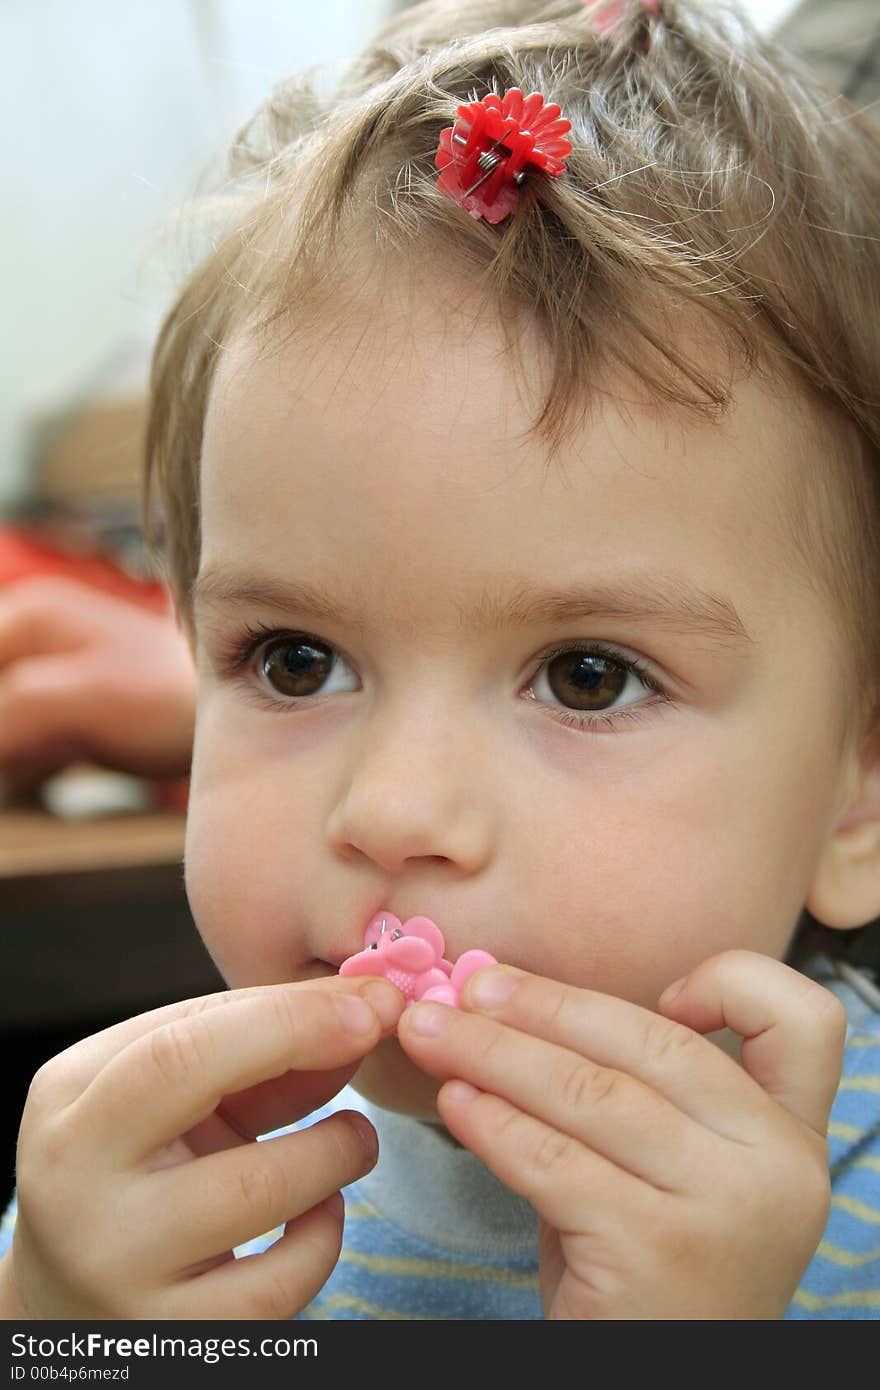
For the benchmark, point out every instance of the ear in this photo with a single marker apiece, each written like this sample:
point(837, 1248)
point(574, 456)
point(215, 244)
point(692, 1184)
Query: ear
point(846, 888)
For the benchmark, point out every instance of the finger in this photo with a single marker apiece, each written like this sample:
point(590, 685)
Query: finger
point(268, 1106)
point(172, 1078)
point(42, 700)
point(71, 1071)
point(273, 1105)
point(606, 1110)
point(793, 1029)
point(563, 1180)
point(215, 1203)
point(34, 619)
point(278, 1283)
point(240, 1117)
point(691, 1072)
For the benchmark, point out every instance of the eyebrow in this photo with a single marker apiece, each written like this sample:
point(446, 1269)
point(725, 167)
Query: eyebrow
point(665, 600)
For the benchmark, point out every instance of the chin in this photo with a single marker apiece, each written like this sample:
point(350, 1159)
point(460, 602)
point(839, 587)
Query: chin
point(389, 1079)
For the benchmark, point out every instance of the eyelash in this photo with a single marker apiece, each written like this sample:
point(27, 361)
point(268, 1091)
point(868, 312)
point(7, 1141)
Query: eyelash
point(609, 722)
point(238, 653)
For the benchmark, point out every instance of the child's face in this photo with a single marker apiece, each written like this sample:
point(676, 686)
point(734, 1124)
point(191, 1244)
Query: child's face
point(399, 749)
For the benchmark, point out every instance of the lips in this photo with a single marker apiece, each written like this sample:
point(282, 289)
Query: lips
point(412, 958)
point(393, 923)
point(372, 932)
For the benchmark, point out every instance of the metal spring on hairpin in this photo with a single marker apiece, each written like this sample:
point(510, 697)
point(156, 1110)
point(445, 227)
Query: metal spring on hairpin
point(500, 140)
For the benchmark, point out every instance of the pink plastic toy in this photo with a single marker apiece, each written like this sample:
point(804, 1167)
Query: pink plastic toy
point(411, 957)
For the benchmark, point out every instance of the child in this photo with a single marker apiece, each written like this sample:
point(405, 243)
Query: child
point(530, 567)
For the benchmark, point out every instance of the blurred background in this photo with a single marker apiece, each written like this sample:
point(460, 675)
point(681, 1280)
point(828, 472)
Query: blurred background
point(114, 116)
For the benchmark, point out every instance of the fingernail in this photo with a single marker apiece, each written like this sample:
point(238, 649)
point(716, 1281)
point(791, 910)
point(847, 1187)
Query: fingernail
point(672, 991)
point(365, 1130)
point(386, 999)
point(460, 1092)
point(489, 989)
point(335, 1205)
point(429, 1019)
point(355, 1013)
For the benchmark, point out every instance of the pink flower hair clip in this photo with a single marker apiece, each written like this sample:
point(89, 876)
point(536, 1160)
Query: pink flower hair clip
point(487, 154)
point(605, 18)
point(411, 957)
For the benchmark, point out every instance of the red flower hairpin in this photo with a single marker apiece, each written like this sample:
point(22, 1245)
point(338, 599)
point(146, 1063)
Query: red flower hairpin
point(485, 156)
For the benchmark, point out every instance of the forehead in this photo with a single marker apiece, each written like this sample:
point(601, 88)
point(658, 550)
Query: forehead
point(396, 438)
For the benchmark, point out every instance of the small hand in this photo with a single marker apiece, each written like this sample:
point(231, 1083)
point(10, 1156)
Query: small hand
point(670, 1182)
point(138, 1169)
point(88, 677)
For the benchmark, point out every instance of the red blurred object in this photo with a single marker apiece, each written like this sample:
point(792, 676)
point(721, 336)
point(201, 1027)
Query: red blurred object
point(486, 155)
point(24, 554)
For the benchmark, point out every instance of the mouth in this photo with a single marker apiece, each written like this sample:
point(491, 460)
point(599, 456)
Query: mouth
point(317, 969)
point(332, 963)
point(414, 960)
point(334, 959)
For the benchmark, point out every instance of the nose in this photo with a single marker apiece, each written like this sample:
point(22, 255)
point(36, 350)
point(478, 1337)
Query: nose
point(417, 788)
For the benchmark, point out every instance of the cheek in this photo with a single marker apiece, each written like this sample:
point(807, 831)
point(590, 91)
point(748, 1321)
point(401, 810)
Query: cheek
point(243, 871)
point(660, 868)
point(229, 887)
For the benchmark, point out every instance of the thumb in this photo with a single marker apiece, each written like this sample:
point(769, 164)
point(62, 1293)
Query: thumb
point(793, 1029)
point(285, 1099)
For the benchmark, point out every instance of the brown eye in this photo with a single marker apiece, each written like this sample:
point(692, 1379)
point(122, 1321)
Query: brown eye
point(297, 666)
point(586, 681)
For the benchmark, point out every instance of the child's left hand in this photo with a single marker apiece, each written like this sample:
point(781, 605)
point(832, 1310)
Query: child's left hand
point(669, 1181)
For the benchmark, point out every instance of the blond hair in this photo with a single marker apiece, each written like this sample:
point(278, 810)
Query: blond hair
point(710, 174)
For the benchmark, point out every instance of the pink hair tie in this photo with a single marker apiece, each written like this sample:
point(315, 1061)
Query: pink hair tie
point(605, 18)
point(411, 957)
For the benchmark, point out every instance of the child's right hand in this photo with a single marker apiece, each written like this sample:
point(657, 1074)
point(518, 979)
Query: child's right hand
point(137, 1170)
